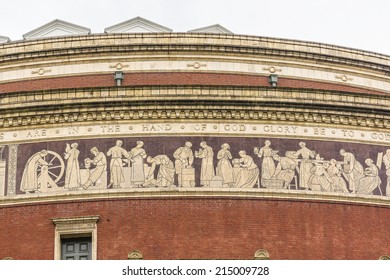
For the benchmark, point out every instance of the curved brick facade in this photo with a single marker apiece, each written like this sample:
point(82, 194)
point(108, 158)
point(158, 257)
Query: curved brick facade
point(195, 155)
point(235, 228)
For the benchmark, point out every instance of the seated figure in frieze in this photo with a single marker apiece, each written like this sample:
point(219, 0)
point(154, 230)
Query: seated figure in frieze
point(319, 179)
point(371, 179)
point(335, 173)
point(98, 174)
point(42, 172)
point(166, 171)
point(353, 170)
point(284, 172)
point(248, 175)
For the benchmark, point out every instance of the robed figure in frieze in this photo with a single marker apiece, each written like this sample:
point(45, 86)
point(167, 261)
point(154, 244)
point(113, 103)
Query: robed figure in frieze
point(207, 171)
point(72, 172)
point(305, 164)
point(117, 154)
point(267, 165)
point(224, 166)
point(184, 159)
point(137, 156)
point(353, 170)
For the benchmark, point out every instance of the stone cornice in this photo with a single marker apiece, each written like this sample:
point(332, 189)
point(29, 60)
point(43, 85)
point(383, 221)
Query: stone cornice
point(39, 109)
point(224, 95)
point(116, 44)
point(75, 220)
point(198, 193)
point(261, 114)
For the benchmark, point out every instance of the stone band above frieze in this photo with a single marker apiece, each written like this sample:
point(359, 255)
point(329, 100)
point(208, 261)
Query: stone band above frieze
point(206, 128)
point(37, 109)
point(225, 95)
point(270, 115)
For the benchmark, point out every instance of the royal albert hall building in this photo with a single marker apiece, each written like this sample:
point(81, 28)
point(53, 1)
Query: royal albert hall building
point(143, 143)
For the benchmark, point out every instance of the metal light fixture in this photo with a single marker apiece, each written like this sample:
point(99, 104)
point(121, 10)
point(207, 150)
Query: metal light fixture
point(119, 77)
point(273, 80)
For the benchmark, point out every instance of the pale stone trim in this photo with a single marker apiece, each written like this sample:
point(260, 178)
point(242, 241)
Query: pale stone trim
point(234, 128)
point(300, 97)
point(75, 227)
point(297, 47)
point(135, 255)
point(261, 254)
point(260, 67)
point(326, 114)
point(12, 167)
point(177, 193)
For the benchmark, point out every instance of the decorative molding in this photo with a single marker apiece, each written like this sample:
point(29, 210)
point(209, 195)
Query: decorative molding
point(221, 44)
point(263, 114)
point(272, 69)
point(119, 66)
point(41, 71)
point(3, 166)
point(12, 167)
point(383, 258)
point(135, 255)
point(261, 254)
point(216, 128)
point(175, 193)
point(344, 78)
point(88, 222)
point(196, 65)
point(319, 74)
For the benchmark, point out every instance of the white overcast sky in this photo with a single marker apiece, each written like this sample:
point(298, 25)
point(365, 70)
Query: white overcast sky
point(360, 24)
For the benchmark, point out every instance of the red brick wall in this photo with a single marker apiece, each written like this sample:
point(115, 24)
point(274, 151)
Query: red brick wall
point(151, 79)
point(186, 228)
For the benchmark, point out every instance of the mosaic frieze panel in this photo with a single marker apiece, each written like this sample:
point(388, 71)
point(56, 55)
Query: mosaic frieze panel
point(82, 165)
